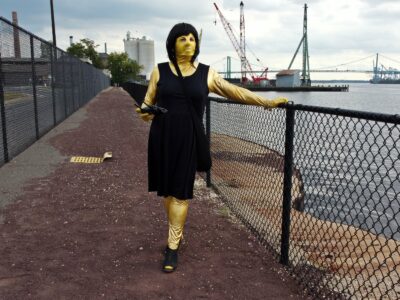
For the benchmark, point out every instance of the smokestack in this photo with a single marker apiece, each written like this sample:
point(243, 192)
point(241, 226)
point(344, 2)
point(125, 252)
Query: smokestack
point(71, 40)
point(105, 48)
point(17, 45)
point(14, 18)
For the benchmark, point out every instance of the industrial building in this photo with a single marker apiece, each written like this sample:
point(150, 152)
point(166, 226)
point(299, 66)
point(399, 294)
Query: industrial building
point(288, 78)
point(142, 51)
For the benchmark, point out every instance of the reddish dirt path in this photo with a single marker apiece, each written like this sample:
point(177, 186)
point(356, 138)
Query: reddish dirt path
point(94, 232)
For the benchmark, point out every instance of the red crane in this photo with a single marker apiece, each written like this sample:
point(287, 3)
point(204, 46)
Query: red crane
point(240, 47)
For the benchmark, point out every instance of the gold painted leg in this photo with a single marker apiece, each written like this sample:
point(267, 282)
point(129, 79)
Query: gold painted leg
point(177, 212)
point(167, 202)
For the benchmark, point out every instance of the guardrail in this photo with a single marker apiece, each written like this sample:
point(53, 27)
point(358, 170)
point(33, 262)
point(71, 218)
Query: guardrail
point(319, 187)
point(40, 86)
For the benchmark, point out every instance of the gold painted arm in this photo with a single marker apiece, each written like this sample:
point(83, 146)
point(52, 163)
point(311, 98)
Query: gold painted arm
point(150, 98)
point(218, 85)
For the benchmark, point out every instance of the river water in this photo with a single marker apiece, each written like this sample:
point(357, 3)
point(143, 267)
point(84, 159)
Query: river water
point(350, 168)
point(382, 98)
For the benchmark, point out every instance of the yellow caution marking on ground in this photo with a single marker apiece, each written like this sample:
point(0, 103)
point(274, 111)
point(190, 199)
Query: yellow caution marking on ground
point(90, 160)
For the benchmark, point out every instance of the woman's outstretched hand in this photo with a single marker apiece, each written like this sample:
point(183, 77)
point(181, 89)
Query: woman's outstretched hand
point(275, 102)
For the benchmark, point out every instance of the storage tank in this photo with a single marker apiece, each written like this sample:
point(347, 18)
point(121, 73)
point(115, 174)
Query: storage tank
point(146, 56)
point(131, 47)
point(142, 51)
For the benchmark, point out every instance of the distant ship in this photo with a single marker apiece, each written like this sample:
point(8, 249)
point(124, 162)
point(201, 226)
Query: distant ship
point(385, 81)
point(383, 75)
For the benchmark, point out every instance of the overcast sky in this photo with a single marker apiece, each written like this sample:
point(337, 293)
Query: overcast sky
point(339, 31)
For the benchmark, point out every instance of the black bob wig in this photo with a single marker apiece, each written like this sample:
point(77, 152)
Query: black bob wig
point(177, 31)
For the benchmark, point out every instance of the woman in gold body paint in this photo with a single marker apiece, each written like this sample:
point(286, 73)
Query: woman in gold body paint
point(171, 151)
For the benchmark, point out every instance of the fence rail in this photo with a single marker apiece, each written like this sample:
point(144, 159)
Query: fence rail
point(319, 187)
point(40, 86)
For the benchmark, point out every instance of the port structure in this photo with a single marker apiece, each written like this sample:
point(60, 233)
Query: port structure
point(240, 47)
point(305, 76)
point(383, 74)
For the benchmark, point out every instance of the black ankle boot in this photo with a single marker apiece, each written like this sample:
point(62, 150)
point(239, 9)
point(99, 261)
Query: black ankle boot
point(170, 261)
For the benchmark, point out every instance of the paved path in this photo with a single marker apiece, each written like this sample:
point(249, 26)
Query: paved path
point(92, 231)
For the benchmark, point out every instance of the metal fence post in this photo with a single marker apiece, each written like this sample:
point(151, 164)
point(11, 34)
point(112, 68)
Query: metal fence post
point(64, 87)
point(94, 82)
point(34, 88)
point(72, 85)
point(287, 184)
point(53, 94)
point(208, 132)
point(3, 114)
point(84, 84)
point(80, 86)
point(91, 83)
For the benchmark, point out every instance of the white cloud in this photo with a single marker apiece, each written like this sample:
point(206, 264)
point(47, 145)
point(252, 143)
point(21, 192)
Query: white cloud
point(338, 30)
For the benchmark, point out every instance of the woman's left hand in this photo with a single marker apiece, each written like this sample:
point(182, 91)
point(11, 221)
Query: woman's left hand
point(275, 102)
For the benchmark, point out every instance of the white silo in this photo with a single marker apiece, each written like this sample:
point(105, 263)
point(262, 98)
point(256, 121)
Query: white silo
point(146, 55)
point(141, 50)
point(131, 47)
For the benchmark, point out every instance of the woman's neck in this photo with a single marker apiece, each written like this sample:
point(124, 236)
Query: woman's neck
point(184, 61)
point(185, 65)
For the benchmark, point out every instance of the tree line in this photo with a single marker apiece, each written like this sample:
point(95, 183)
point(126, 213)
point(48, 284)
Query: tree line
point(122, 68)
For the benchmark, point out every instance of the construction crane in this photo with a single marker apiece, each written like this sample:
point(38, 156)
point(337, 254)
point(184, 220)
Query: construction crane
point(240, 47)
point(305, 77)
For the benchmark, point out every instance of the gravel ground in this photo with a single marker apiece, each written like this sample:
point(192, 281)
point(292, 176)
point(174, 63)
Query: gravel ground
point(92, 231)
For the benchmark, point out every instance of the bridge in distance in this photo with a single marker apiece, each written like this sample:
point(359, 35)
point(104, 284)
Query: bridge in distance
point(313, 71)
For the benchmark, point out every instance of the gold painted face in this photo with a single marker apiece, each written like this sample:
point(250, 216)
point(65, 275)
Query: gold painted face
point(185, 45)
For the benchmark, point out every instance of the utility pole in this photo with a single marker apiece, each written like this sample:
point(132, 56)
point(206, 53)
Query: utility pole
point(53, 24)
point(242, 43)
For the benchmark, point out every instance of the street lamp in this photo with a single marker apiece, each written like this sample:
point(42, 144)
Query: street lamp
point(52, 24)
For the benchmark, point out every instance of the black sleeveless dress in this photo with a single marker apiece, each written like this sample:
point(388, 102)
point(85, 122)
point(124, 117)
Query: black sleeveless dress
point(171, 148)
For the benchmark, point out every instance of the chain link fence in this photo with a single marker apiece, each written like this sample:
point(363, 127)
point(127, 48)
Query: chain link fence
point(40, 86)
point(338, 227)
point(319, 187)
